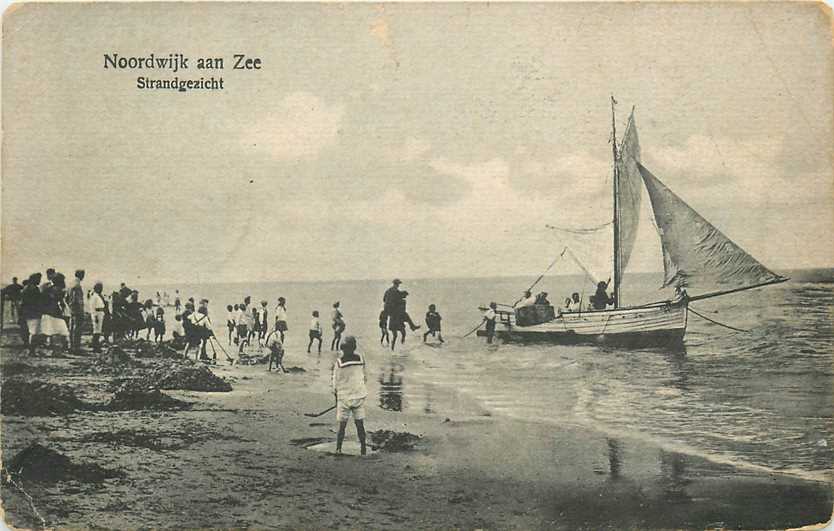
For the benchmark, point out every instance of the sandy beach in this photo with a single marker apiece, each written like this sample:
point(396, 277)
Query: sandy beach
point(240, 459)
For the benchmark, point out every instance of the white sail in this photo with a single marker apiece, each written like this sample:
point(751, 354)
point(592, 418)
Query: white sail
point(695, 253)
point(629, 194)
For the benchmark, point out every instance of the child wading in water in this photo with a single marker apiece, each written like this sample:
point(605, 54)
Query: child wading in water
point(315, 331)
point(338, 326)
point(433, 323)
point(383, 327)
point(348, 381)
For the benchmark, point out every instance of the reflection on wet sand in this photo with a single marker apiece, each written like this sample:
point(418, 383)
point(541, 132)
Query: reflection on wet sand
point(391, 387)
point(673, 479)
point(614, 457)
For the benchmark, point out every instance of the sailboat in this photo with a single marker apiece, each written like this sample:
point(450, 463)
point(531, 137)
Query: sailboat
point(697, 258)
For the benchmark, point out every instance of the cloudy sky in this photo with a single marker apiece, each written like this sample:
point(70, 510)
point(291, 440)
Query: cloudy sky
point(411, 140)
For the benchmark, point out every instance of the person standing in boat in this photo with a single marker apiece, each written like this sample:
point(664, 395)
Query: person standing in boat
point(489, 320)
point(600, 300)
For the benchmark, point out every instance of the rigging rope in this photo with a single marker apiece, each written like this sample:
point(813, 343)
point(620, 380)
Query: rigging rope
point(533, 285)
point(584, 269)
point(691, 309)
point(589, 230)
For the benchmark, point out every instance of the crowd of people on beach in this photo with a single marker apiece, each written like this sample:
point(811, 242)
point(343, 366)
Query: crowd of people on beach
point(58, 314)
point(48, 310)
point(54, 312)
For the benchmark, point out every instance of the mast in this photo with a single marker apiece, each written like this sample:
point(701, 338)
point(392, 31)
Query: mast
point(616, 208)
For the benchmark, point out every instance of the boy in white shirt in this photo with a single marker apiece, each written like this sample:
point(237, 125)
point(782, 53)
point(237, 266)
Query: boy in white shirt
point(348, 381)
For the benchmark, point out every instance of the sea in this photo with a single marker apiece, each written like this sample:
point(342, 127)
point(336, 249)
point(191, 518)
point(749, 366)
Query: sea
point(758, 399)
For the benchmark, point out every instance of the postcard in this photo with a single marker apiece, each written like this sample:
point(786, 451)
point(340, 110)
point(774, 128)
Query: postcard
point(417, 265)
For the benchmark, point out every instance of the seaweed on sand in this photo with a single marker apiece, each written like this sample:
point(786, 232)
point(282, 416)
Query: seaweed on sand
point(392, 441)
point(193, 379)
point(132, 395)
point(37, 463)
point(39, 399)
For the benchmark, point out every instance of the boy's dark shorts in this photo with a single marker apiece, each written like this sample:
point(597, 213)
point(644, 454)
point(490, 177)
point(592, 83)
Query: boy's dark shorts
point(315, 334)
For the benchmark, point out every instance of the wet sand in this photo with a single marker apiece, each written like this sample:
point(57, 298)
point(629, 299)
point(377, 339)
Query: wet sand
point(238, 459)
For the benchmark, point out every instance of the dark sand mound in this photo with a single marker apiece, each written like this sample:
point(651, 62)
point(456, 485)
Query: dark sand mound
point(40, 464)
point(392, 441)
point(116, 361)
point(193, 379)
point(295, 370)
point(133, 396)
point(38, 399)
point(170, 375)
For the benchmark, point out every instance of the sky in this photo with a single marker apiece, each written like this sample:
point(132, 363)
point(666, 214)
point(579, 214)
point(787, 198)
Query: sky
point(409, 140)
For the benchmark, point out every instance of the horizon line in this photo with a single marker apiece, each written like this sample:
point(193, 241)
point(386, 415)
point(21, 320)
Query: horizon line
point(406, 279)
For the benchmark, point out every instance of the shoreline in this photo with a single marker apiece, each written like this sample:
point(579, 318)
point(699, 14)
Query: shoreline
point(239, 460)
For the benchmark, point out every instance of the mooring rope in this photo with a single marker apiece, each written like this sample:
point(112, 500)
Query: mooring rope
point(691, 309)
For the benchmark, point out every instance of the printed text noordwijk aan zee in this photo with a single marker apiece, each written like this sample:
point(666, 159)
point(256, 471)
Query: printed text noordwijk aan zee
point(177, 62)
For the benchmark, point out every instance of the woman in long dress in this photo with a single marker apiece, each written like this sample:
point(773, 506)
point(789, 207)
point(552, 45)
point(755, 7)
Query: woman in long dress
point(53, 325)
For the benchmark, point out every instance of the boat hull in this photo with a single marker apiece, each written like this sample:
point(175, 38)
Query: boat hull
point(653, 326)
